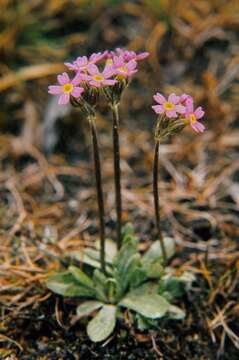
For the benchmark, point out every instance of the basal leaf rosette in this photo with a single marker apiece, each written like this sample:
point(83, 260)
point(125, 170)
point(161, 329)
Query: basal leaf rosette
point(134, 281)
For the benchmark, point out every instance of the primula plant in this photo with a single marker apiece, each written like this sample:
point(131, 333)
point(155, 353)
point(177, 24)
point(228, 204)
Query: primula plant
point(115, 274)
point(174, 114)
point(131, 281)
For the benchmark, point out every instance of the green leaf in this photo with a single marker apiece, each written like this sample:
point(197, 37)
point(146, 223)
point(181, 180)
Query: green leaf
point(94, 254)
point(125, 265)
point(136, 277)
point(103, 324)
point(155, 251)
point(127, 273)
point(110, 249)
point(124, 255)
point(91, 257)
point(100, 281)
point(59, 283)
point(81, 277)
point(125, 262)
point(154, 270)
point(151, 306)
point(79, 291)
point(87, 307)
point(144, 323)
point(187, 278)
point(175, 313)
point(170, 288)
point(65, 284)
point(82, 257)
point(128, 235)
point(99, 277)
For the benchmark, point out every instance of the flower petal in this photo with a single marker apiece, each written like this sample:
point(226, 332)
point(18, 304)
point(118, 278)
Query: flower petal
point(159, 98)
point(142, 56)
point(77, 79)
point(77, 91)
point(159, 109)
point(70, 66)
point(64, 99)
point(54, 89)
point(199, 112)
point(82, 77)
point(171, 113)
point(198, 127)
point(81, 61)
point(132, 72)
point(93, 69)
point(180, 109)
point(109, 82)
point(109, 71)
point(63, 78)
point(95, 83)
point(173, 98)
point(131, 64)
point(94, 57)
point(185, 97)
point(118, 61)
point(189, 105)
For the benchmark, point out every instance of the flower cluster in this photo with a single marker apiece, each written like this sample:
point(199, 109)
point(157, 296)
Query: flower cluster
point(179, 107)
point(100, 70)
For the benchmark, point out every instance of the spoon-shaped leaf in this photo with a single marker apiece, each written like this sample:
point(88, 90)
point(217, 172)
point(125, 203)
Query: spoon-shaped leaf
point(65, 284)
point(103, 324)
point(110, 249)
point(81, 277)
point(87, 307)
point(151, 306)
point(155, 250)
point(175, 313)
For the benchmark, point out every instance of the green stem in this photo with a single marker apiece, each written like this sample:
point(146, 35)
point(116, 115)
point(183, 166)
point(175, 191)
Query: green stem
point(156, 199)
point(99, 189)
point(117, 173)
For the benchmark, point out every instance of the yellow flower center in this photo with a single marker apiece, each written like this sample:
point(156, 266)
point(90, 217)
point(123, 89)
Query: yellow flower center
point(192, 118)
point(67, 88)
point(184, 120)
point(98, 77)
point(168, 105)
point(123, 69)
point(120, 77)
point(109, 62)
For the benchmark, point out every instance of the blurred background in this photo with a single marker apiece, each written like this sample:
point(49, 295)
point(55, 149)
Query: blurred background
point(47, 197)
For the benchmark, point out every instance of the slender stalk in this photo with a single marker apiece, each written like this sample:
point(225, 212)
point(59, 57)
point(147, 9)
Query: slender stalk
point(156, 199)
point(117, 173)
point(99, 189)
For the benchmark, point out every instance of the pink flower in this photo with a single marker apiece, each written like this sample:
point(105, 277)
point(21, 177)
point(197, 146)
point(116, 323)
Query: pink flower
point(131, 55)
point(66, 88)
point(100, 79)
point(184, 98)
point(124, 69)
point(82, 62)
point(171, 107)
point(191, 116)
point(109, 54)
